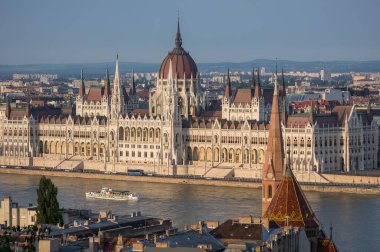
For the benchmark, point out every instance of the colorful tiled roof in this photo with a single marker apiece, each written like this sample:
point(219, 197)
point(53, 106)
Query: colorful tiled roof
point(289, 206)
point(243, 96)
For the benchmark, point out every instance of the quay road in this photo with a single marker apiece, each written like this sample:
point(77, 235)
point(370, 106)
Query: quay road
point(360, 188)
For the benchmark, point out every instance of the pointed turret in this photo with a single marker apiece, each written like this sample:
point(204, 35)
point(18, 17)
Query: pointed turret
point(284, 113)
point(257, 85)
point(117, 98)
point(132, 90)
point(273, 168)
point(228, 92)
point(289, 206)
point(253, 82)
point(82, 90)
point(107, 85)
point(311, 115)
point(28, 110)
point(178, 38)
point(117, 68)
point(283, 88)
point(8, 109)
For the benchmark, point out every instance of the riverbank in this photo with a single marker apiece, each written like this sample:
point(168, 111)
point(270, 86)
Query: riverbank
point(170, 180)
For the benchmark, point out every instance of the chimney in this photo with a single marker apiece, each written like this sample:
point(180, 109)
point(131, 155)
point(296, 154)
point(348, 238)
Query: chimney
point(200, 227)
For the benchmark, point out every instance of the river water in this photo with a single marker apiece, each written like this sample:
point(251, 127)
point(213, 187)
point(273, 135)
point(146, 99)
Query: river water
point(355, 218)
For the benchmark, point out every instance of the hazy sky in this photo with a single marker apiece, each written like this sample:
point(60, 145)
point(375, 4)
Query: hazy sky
point(78, 31)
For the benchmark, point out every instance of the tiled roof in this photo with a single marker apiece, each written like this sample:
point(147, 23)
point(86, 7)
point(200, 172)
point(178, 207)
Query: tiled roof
point(243, 96)
point(298, 121)
point(342, 112)
point(290, 202)
point(95, 94)
point(239, 231)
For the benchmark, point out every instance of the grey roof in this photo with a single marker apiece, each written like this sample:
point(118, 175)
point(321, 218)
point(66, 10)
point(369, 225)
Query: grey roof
point(121, 222)
point(189, 239)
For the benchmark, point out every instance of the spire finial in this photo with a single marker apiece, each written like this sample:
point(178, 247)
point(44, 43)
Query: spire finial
point(227, 93)
point(178, 38)
point(132, 90)
point(275, 83)
point(253, 84)
point(117, 67)
point(82, 91)
point(107, 87)
point(276, 65)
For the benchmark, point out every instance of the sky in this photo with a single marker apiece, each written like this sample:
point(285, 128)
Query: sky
point(90, 31)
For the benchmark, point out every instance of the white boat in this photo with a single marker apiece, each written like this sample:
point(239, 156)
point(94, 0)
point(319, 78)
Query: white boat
point(108, 193)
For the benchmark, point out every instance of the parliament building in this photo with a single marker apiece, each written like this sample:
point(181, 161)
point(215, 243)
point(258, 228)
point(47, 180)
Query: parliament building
point(179, 133)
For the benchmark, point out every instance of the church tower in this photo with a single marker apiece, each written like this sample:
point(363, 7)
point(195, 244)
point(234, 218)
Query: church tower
point(273, 168)
point(117, 97)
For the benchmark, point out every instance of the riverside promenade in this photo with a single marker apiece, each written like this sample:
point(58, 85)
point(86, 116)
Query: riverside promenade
point(243, 183)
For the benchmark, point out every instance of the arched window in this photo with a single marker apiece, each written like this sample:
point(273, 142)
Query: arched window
point(121, 133)
point(269, 191)
point(216, 139)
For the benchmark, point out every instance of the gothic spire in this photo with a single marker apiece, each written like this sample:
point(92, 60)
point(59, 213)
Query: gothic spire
point(132, 90)
point(311, 119)
point(178, 38)
point(28, 109)
point(284, 113)
point(273, 168)
point(117, 68)
point(283, 88)
point(253, 82)
point(227, 93)
point(82, 90)
point(257, 86)
point(107, 84)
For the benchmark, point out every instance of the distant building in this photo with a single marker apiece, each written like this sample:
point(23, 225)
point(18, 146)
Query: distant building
point(263, 71)
point(331, 94)
point(13, 215)
point(325, 75)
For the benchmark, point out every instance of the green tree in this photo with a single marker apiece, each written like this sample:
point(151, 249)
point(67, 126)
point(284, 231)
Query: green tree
point(48, 206)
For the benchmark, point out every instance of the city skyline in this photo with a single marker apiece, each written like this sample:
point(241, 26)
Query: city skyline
point(143, 31)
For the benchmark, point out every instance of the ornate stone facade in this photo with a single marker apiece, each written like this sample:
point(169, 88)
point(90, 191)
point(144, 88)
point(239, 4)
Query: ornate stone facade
point(175, 133)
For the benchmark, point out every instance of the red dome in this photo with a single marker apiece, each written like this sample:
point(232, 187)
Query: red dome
point(183, 65)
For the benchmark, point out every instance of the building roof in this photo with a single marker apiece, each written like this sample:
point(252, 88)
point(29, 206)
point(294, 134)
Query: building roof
point(243, 96)
point(192, 239)
point(95, 94)
point(326, 245)
point(342, 113)
point(182, 63)
point(289, 206)
point(238, 231)
point(301, 120)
